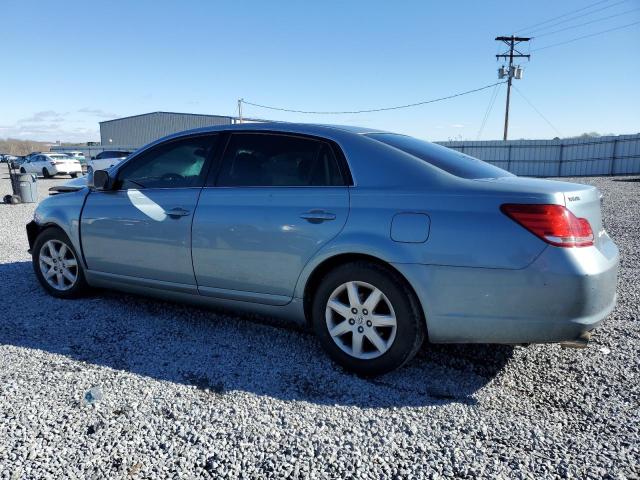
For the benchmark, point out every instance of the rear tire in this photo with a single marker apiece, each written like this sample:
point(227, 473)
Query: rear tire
point(22, 170)
point(57, 265)
point(73, 175)
point(45, 173)
point(367, 318)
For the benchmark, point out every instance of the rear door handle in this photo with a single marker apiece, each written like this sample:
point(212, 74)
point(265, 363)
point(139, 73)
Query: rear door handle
point(318, 216)
point(177, 212)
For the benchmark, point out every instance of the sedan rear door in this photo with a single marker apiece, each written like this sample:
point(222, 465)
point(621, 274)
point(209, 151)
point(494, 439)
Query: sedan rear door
point(276, 200)
point(33, 164)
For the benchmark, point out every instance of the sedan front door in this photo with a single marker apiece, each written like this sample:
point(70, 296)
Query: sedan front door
point(142, 229)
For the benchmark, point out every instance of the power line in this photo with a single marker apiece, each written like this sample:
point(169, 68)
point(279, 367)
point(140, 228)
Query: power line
point(579, 16)
point(537, 111)
point(587, 23)
point(586, 36)
point(492, 101)
point(370, 110)
point(562, 16)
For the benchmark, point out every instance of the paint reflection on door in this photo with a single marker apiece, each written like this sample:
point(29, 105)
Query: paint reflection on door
point(128, 232)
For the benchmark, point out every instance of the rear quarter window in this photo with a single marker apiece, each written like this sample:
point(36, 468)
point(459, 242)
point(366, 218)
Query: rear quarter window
point(451, 161)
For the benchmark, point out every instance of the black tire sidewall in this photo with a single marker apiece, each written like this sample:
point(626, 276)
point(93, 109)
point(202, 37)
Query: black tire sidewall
point(410, 322)
point(80, 286)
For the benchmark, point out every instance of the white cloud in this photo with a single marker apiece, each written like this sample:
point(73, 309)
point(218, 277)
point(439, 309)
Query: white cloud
point(44, 116)
point(98, 112)
point(457, 125)
point(50, 125)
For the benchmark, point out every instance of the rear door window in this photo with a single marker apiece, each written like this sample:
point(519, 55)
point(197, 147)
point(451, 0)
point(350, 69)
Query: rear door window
point(276, 160)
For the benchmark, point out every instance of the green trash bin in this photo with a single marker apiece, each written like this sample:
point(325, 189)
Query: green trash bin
point(28, 188)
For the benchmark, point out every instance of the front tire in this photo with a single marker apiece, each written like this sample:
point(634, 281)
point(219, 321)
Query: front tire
point(57, 265)
point(367, 318)
point(73, 175)
point(45, 173)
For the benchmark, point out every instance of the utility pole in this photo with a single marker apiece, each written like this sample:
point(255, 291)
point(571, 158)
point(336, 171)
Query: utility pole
point(240, 100)
point(512, 72)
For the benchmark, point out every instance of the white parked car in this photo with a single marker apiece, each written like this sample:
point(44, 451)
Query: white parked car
point(107, 159)
point(78, 155)
point(50, 164)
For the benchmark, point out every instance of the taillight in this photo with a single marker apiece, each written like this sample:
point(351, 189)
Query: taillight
point(555, 224)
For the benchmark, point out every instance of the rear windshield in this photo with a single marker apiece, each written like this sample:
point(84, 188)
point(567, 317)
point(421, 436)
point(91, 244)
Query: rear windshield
point(446, 159)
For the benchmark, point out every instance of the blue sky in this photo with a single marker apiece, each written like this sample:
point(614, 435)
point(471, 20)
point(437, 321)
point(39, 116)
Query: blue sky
point(68, 65)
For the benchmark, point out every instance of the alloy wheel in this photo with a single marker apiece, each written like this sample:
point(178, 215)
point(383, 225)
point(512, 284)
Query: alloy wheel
point(361, 320)
point(58, 265)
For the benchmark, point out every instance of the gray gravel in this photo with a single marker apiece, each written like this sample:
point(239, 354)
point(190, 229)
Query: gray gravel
point(194, 393)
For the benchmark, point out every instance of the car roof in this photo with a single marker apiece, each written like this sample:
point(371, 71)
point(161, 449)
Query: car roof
point(320, 130)
point(311, 128)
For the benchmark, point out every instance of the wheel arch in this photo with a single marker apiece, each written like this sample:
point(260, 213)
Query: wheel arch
point(62, 211)
point(326, 265)
point(35, 229)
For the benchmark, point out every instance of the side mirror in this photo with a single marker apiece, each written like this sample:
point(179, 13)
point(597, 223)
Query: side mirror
point(101, 180)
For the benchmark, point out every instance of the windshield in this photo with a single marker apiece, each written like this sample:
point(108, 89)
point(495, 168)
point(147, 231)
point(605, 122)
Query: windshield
point(446, 159)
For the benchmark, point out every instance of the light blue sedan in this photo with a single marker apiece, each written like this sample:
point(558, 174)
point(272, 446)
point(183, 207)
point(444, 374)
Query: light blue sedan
point(373, 239)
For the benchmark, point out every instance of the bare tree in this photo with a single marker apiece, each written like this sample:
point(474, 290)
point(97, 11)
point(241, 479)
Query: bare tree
point(13, 146)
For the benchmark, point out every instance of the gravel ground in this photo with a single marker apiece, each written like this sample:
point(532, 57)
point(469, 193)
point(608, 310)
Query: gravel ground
point(193, 393)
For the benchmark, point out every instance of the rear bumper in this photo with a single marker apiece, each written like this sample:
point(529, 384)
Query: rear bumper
point(66, 170)
point(562, 294)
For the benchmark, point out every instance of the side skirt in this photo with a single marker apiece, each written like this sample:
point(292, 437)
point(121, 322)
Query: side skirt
point(292, 312)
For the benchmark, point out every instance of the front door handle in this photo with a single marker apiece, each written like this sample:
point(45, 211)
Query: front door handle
point(177, 212)
point(318, 216)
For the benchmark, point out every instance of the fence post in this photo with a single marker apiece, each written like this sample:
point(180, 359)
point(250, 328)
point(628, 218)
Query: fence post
point(509, 158)
point(560, 160)
point(613, 158)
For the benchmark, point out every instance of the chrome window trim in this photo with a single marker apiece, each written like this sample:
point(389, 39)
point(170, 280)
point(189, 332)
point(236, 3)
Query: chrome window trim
point(219, 130)
point(274, 186)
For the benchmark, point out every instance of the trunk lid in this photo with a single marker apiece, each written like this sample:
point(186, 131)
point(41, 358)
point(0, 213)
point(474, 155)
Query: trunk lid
point(586, 203)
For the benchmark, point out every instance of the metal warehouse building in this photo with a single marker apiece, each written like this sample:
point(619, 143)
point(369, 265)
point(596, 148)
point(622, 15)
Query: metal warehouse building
point(138, 130)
